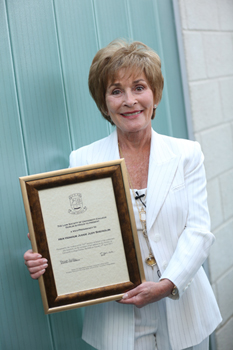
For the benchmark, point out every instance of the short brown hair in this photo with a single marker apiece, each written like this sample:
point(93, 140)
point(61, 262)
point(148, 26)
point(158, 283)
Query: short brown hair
point(135, 57)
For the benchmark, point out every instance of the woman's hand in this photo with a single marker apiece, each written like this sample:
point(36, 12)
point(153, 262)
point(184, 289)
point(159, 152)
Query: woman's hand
point(148, 292)
point(35, 263)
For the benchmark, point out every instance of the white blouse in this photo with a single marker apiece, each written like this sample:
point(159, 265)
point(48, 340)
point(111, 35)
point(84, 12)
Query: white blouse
point(150, 320)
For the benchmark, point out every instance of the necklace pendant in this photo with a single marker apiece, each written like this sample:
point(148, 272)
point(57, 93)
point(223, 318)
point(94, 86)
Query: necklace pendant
point(142, 215)
point(150, 261)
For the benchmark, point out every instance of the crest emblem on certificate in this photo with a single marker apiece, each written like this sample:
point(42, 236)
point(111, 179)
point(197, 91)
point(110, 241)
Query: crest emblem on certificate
point(76, 203)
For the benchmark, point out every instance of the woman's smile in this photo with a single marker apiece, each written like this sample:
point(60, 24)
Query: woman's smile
point(131, 114)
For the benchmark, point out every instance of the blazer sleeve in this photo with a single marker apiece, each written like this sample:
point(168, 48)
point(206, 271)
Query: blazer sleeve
point(194, 243)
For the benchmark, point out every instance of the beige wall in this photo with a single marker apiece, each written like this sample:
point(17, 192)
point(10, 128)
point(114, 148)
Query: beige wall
point(207, 28)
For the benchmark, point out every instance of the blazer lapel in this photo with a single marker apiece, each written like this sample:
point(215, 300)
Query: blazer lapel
point(162, 169)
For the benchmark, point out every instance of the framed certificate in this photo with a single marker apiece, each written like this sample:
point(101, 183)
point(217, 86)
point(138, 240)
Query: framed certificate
point(81, 220)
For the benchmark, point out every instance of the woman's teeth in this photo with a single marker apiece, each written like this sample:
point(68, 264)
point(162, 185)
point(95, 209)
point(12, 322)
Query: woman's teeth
point(129, 114)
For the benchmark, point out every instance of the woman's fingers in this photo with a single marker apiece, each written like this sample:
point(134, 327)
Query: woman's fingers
point(30, 255)
point(32, 259)
point(35, 263)
point(148, 292)
point(36, 275)
point(145, 293)
point(139, 296)
point(37, 268)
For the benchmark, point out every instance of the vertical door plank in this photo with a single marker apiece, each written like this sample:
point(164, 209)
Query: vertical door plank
point(67, 330)
point(172, 64)
point(40, 84)
point(20, 300)
point(78, 44)
point(112, 20)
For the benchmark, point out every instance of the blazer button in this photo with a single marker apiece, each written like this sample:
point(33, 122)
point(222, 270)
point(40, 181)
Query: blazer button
point(156, 238)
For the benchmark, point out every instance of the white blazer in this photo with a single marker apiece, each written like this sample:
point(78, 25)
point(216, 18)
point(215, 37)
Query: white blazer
point(178, 229)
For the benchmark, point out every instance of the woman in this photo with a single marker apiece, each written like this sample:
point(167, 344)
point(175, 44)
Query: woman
point(175, 308)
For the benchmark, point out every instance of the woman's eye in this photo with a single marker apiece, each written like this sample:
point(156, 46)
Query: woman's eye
point(116, 92)
point(139, 88)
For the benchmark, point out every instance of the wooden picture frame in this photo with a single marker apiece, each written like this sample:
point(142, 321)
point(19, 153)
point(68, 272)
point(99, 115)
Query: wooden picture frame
point(81, 220)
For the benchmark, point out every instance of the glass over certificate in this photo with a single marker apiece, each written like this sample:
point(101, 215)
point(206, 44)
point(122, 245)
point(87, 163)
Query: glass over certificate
point(81, 220)
point(86, 248)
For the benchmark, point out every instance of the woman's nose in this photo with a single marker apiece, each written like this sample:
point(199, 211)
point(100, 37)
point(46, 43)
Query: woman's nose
point(129, 99)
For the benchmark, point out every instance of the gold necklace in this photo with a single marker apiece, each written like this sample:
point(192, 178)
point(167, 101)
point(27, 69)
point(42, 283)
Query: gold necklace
point(150, 260)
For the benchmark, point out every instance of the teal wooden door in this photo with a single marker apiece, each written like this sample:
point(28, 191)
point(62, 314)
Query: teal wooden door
point(46, 48)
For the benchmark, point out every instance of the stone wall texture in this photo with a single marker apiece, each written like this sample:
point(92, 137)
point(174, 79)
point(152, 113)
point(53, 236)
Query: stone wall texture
point(207, 28)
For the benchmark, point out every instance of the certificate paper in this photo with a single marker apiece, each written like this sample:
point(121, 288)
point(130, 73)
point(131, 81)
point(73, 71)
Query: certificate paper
point(81, 220)
point(86, 247)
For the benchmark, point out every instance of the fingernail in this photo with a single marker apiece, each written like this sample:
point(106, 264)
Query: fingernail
point(45, 265)
point(125, 296)
point(39, 256)
point(45, 261)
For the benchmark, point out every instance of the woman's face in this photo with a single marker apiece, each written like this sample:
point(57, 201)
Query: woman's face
point(130, 101)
